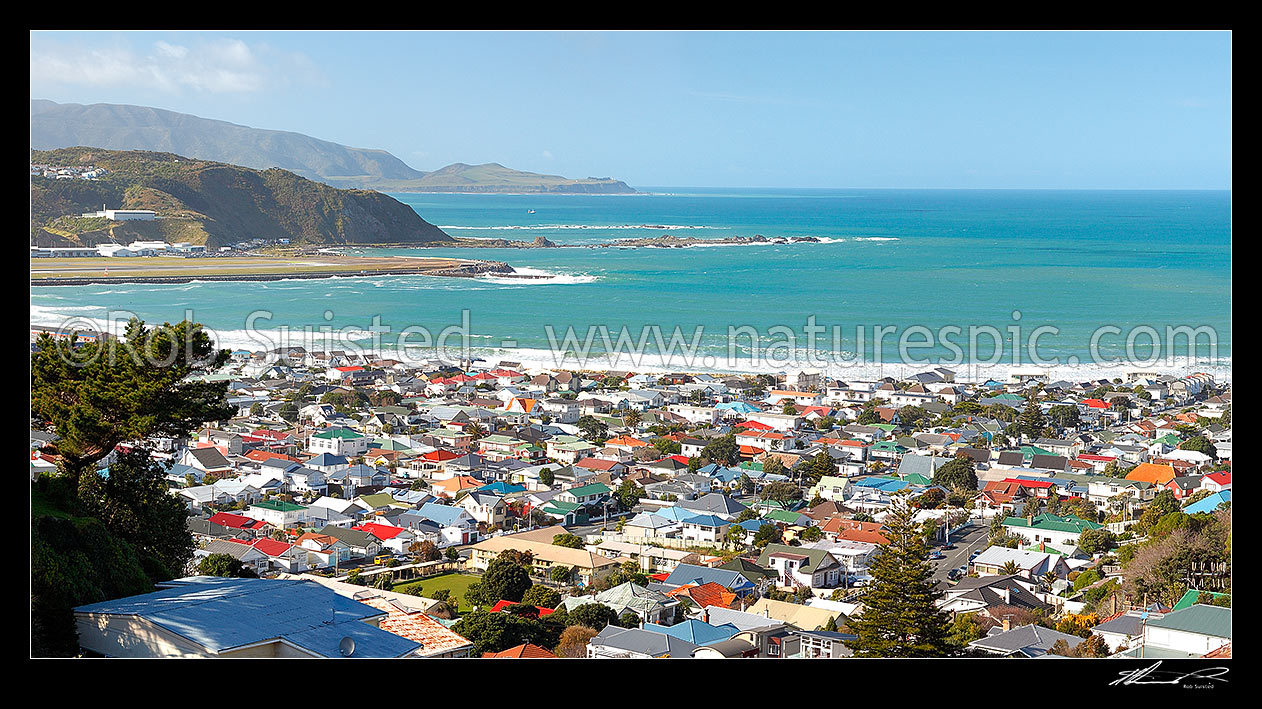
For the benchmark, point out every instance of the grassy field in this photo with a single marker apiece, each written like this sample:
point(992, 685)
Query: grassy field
point(456, 583)
point(123, 269)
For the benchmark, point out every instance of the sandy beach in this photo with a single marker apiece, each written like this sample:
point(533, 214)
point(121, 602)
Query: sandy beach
point(161, 269)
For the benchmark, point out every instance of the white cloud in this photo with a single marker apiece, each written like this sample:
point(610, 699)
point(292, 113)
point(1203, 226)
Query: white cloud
point(208, 66)
point(547, 154)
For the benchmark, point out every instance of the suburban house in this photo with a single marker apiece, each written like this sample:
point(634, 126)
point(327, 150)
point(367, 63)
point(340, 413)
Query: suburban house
point(992, 592)
point(1049, 528)
point(585, 565)
point(1195, 631)
point(284, 515)
point(1031, 565)
point(485, 507)
point(339, 441)
point(801, 567)
point(1026, 641)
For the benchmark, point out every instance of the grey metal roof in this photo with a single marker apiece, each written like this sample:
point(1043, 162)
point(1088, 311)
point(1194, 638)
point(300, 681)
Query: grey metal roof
point(210, 457)
point(989, 590)
point(741, 619)
point(643, 642)
point(924, 465)
point(233, 549)
point(700, 575)
point(1029, 640)
point(714, 503)
point(1127, 624)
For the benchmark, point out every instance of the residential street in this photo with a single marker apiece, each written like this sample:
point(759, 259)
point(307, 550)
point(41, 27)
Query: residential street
point(966, 542)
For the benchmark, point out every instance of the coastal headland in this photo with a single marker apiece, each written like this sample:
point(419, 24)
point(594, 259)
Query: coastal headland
point(160, 269)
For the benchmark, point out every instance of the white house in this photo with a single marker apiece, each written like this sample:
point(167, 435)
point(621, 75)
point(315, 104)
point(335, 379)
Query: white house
point(279, 514)
point(339, 441)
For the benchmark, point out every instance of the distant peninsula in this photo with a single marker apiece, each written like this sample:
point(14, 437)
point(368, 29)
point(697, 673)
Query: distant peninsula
point(203, 202)
point(665, 241)
point(123, 127)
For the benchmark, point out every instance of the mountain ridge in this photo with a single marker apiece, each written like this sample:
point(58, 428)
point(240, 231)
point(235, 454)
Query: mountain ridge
point(128, 127)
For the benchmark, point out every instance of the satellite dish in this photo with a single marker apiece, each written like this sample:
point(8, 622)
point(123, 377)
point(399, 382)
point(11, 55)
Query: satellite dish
point(347, 646)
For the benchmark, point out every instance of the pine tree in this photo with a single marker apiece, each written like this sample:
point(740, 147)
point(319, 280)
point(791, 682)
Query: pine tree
point(900, 618)
point(96, 395)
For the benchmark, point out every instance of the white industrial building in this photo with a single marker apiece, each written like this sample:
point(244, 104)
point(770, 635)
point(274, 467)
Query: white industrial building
point(124, 215)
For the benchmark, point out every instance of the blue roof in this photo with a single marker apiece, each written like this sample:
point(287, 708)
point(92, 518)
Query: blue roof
point(727, 475)
point(1208, 504)
point(1058, 482)
point(501, 488)
point(754, 525)
point(445, 515)
point(677, 514)
point(328, 459)
point(414, 520)
point(325, 640)
point(695, 631)
point(224, 613)
point(707, 520)
point(742, 407)
point(883, 484)
point(182, 470)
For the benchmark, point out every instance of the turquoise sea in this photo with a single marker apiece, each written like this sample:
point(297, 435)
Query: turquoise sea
point(902, 259)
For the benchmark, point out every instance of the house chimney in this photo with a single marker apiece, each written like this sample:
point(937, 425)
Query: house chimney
point(1007, 597)
point(1007, 623)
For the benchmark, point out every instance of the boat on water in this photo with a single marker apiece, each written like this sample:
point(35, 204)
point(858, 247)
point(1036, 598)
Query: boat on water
point(531, 212)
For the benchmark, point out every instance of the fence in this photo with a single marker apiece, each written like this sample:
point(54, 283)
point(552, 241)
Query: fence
point(407, 572)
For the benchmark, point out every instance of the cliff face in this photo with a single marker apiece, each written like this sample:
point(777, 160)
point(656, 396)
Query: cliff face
point(212, 203)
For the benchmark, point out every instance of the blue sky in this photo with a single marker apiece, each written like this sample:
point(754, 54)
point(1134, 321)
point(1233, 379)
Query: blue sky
point(1056, 110)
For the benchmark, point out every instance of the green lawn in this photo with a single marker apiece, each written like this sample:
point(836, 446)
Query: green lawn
point(456, 583)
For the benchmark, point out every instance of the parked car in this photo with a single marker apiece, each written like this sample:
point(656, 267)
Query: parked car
point(935, 554)
point(948, 546)
point(976, 553)
point(953, 575)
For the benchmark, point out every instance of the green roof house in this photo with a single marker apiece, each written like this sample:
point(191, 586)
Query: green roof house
point(1049, 528)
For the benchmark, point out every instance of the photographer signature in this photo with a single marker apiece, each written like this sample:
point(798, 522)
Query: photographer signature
point(1150, 675)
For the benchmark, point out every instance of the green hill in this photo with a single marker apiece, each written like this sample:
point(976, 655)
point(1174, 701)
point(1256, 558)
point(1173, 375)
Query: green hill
point(122, 127)
point(210, 203)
